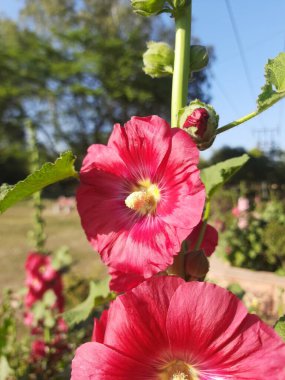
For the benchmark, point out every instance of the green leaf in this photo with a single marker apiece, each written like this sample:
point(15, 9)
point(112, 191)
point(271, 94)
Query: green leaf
point(274, 88)
point(48, 174)
point(98, 294)
point(215, 176)
point(275, 72)
point(280, 327)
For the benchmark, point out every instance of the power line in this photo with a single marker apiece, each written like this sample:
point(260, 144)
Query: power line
point(240, 47)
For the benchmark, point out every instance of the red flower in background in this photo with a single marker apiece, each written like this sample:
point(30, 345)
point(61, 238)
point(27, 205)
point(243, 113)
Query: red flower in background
point(40, 277)
point(169, 329)
point(136, 193)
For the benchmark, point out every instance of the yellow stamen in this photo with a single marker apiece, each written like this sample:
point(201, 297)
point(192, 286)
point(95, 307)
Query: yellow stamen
point(178, 370)
point(144, 198)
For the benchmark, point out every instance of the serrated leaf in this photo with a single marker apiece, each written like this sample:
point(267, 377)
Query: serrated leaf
point(216, 175)
point(280, 327)
point(275, 72)
point(48, 174)
point(274, 88)
point(99, 293)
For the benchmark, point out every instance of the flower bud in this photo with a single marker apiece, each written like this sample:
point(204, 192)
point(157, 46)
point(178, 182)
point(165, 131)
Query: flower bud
point(158, 59)
point(196, 265)
point(199, 58)
point(179, 4)
point(200, 121)
point(147, 7)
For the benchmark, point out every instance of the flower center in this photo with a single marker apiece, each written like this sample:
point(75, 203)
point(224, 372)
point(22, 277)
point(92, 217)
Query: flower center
point(144, 198)
point(178, 370)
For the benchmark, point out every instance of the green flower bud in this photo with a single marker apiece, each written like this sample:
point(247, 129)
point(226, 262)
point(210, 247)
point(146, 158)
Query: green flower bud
point(199, 57)
point(179, 4)
point(147, 7)
point(158, 59)
point(200, 121)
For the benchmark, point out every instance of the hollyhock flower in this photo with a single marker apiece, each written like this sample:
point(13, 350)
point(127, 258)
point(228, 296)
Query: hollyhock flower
point(40, 277)
point(167, 329)
point(39, 349)
point(134, 194)
point(209, 242)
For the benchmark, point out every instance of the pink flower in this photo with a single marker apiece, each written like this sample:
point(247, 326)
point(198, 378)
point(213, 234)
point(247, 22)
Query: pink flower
point(209, 242)
point(136, 193)
point(40, 277)
point(169, 329)
point(243, 204)
point(235, 212)
point(39, 349)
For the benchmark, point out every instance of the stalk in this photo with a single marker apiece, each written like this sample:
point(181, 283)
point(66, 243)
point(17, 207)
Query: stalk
point(38, 234)
point(181, 62)
point(180, 83)
point(237, 122)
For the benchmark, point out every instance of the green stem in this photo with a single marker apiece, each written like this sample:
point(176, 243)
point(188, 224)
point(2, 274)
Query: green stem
point(181, 62)
point(38, 230)
point(204, 225)
point(237, 122)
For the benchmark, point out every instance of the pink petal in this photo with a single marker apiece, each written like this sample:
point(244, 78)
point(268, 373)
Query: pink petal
point(123, 281)
point(94, 361)
point(183, 193)
point(142, 143)
point(210, 328)
point(145, 248)
point(100, 327)
point(137, 320)
point(101, 158)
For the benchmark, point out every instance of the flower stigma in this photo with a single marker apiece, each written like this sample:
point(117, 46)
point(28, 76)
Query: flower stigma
point(144, 197)
point(178, 370)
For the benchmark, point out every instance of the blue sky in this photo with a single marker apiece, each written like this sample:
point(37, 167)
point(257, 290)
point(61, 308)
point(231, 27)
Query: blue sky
point(261, 28)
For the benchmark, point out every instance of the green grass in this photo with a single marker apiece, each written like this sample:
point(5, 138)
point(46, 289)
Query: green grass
point(60, 229)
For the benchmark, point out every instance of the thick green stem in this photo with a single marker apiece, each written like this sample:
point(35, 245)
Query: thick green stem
point(237, 122)
point(181, 62)
point(180, 91)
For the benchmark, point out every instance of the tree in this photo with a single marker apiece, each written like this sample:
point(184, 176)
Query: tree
point(74, 68)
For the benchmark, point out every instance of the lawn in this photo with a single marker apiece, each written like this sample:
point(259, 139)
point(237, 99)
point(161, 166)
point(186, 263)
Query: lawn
point(61, 230)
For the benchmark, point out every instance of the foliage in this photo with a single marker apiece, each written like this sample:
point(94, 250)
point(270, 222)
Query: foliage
point(57, 69)
point(98, 294)
point(215, 176)
point(49, 173)
point(280, 327)
point(269, 167)
point(274, 89)
point(255, 239)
